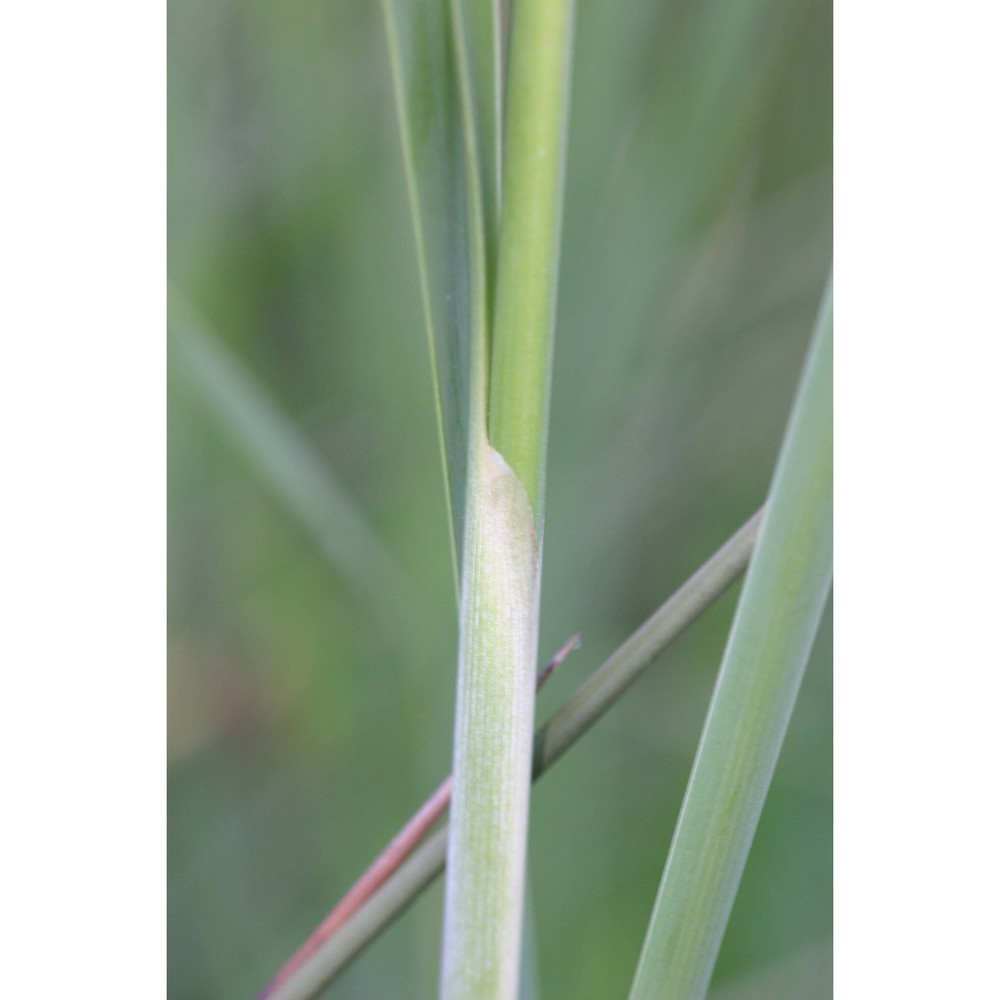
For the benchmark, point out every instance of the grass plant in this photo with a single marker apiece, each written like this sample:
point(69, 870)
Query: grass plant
point(608, 683)
point(697, 241)
point(507, 250)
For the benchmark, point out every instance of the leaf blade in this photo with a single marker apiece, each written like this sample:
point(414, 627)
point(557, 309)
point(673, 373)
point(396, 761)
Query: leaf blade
point(445, 64)
point(425, 85)
point(787, 585)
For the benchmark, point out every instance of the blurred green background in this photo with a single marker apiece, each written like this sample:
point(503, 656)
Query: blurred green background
point(310, 697)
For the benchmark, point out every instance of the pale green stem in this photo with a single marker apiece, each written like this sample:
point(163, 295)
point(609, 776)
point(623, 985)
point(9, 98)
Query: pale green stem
point(494, 721)
point(494, 713)
point(534, 165)
point(446, 71)
point(776, 620)
point(595, 696)
point(498, 630)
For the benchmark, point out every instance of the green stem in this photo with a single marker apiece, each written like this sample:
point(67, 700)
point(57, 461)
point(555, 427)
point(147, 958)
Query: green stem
point(498, 631)
point(786, 589)
point(494, 720)
point(534, 164)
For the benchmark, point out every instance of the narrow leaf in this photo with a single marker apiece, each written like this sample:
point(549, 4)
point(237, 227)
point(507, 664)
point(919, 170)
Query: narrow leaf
point(429, 110)
point(478, 46)
point(779, 610)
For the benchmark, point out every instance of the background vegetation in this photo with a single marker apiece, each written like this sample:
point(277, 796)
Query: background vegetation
point(309, 710)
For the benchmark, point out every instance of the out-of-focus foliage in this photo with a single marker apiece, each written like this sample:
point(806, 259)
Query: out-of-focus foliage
point(306, 722)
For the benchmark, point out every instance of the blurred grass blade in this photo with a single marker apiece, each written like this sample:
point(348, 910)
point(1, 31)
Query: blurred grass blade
point(779, 610)
point(282, 457)
point(429, 109)
point(594, 697)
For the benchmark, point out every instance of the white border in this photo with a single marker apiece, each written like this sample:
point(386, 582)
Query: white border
point(82, 422)
point(82, 224)
point(917, 499)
